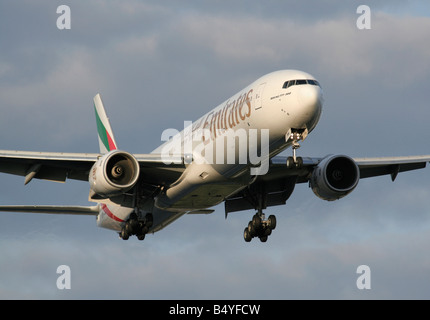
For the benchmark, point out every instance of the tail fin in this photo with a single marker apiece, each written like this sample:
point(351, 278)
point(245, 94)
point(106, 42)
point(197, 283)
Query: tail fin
point(106, 138)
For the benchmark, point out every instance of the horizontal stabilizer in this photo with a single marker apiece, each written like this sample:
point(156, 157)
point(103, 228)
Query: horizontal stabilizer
point(74, 210)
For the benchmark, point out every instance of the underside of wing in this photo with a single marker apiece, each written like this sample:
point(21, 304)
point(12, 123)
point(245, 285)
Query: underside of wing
point(273, 188)
point(73, 210)
point(277, 185)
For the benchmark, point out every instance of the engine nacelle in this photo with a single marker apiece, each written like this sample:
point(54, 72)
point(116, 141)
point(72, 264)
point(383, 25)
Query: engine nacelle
point(335, 177)
point(113, 174)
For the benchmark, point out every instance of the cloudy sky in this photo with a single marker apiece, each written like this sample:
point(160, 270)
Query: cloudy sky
point(159, 63)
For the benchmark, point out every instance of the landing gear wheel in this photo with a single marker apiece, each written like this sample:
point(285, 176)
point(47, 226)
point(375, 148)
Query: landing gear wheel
point(124, 235)
point(299, 162)
point(143, 228)
point(267, 232)
point(136, 226)
point(128, 228)
point(263, 239)
point(251, 229)
point(246, 235)
point(290, 163)
point(259, 227)
point(149, 220)
point(272, 222)
point(256, 221)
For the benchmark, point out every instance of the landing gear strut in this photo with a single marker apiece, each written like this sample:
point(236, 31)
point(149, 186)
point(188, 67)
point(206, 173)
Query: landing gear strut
point(136, 226)
point(295, 136)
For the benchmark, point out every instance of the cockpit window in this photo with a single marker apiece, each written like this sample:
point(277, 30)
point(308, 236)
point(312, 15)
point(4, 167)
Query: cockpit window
point(314, 82)
point(290, 83)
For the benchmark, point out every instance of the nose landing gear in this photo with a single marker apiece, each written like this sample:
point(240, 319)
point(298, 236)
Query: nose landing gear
point(294, 136)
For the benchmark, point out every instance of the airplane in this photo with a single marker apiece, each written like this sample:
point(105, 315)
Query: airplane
point(230, 155)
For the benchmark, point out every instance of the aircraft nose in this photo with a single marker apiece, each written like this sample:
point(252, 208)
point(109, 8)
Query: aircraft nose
point(310, 99)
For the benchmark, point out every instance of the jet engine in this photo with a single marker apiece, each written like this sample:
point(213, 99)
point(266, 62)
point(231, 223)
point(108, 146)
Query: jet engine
point(114, 173)
point(334, 177)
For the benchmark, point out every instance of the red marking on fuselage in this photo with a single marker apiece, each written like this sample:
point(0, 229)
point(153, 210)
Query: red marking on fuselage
point(110, 214)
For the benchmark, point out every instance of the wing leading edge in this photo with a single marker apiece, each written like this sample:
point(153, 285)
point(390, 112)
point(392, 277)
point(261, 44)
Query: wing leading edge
point(52, 166)
point(372, 167)
point(58, 166)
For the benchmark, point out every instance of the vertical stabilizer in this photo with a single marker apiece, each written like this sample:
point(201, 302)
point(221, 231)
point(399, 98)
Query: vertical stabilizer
point(106, 138)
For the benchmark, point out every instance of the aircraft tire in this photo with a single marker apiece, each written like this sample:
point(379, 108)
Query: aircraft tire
point(290, 163)
point(267, 232)
point(124, 235)
point(246, 235)
point(251, 229)
point(272, 222)
point(256, 221)
point(149, 220)
point(299, 163)
point(263, 238)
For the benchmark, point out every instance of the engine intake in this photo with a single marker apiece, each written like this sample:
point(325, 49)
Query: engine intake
point(335, 177)
point(113, 174)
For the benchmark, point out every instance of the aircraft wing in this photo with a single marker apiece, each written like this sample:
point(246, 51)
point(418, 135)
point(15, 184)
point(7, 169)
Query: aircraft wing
point(278, 184)
point(57, 166)
point(47, 165)
point(369, 167)
point(74, 210)
point(372, 167)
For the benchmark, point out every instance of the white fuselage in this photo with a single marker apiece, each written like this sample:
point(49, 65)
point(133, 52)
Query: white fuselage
point(228, 146)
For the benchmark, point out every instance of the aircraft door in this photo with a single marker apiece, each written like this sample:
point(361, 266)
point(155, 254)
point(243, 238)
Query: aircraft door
point(258, 96)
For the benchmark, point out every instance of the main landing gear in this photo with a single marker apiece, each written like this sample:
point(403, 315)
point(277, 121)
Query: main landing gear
point(259, 227)
point(136, 226)
point(138, 223)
